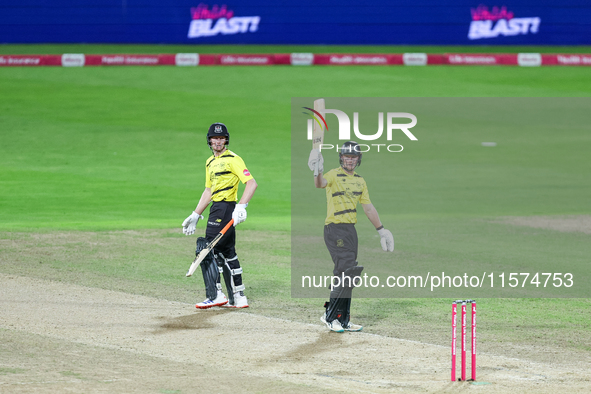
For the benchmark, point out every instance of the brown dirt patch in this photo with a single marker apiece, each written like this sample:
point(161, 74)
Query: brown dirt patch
point(569, 224)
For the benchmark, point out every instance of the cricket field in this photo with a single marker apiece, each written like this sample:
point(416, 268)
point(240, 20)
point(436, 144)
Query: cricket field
point(99, 166)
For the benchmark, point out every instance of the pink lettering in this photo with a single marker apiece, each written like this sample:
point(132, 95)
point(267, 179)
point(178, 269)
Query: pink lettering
point(203, 12)
point(481, 13)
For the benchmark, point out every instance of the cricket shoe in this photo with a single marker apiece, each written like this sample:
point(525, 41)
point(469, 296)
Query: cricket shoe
point(353, 327)
point(334, 325)
point(240, 301)
point(220, 300)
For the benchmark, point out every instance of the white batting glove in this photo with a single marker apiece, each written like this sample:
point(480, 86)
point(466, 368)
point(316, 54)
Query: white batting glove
point(239, 214)
point(386, 239)
point(316, 161)
point(190, 223)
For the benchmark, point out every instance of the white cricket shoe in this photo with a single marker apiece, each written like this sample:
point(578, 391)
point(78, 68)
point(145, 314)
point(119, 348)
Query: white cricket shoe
point(334, 325)
point(240, 301)
point(220, 300)
point(353, 327)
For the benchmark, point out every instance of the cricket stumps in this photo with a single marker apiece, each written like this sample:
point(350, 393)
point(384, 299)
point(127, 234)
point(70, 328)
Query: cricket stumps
point(463, 323)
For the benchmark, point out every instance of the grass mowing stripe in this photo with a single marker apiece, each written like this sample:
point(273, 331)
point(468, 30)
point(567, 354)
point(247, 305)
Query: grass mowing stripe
point(278, 84)
point(75, 121)
point(139, 157)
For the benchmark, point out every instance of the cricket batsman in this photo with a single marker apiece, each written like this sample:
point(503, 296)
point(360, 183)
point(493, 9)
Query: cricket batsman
point(344, 189)
point(224, 170)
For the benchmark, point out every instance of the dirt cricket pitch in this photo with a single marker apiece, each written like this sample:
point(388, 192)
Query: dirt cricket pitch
point(58, 337)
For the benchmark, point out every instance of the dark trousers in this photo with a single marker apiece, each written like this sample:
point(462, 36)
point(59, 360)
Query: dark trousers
point(342, 243)
point(220, 214)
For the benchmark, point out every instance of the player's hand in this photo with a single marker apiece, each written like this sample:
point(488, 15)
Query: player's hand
point(387, 240)
point(316, 161)
point(239, 214)
point(190, 223)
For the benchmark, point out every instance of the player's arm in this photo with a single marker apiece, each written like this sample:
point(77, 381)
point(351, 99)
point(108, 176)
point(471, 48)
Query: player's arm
point(372, 215)
point(249, 189)
point(239, 169)
point(190, 223)
point(386, 238)
point(320, 182)
point(203, 201)
point(239, 214)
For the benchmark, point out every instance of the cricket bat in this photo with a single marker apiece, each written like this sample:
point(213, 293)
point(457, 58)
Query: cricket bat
point(318, 132)
point(208, 249)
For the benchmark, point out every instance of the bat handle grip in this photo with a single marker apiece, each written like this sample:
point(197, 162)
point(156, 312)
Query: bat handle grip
point(230, 223)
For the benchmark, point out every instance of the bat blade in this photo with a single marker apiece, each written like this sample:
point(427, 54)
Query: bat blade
point(197, 261)
point(208, 249)
point(318, 132)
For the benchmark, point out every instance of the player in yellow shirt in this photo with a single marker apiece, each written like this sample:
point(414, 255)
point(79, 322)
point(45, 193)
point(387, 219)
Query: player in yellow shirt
point(344, 190)
point(223, 171)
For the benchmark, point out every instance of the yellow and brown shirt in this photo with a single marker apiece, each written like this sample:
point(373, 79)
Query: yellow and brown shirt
point(222, 175)
point(343, 192)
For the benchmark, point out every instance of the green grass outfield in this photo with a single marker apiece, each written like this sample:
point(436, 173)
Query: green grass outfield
point(87, 154)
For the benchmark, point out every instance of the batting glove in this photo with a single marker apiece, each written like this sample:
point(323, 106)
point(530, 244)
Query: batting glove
point(316, 161)
point(190, 223)
point(239, 214)
point(386, 239)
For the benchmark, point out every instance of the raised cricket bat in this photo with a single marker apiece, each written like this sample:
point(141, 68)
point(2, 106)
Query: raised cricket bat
point(208, 249)
point(318, 132)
